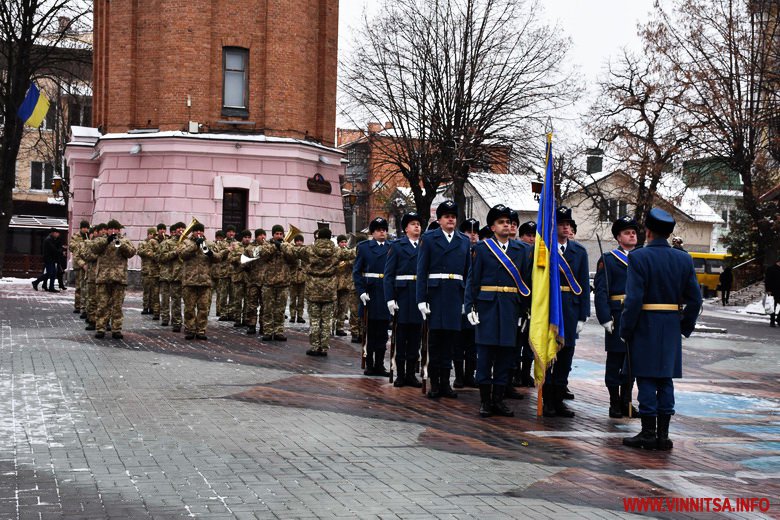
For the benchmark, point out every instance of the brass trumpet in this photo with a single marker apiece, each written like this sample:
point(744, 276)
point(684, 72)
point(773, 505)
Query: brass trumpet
point(188, 229)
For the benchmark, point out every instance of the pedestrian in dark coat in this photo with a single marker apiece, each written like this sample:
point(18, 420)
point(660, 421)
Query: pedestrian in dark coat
point(772, 286)
point(726, 279)
point(52, 255)
point(662, 304)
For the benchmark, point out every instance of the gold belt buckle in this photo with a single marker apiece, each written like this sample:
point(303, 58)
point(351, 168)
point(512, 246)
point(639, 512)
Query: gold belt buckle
point(451, 276)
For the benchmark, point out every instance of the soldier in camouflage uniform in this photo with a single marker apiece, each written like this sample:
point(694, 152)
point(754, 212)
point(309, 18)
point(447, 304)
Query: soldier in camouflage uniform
point(90, 259)
point(79, 303)
point(230, 238)
point(113, 251)
point(344, 289)
point(254, 283)
point(321, 260)
point(297, 286)
point(197, 256)
point(279, 258)
point(238, 279)
point(170, 279)
point(150, 273)
point(219, 273)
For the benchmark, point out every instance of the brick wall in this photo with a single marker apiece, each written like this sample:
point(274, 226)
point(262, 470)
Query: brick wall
point(161, 51)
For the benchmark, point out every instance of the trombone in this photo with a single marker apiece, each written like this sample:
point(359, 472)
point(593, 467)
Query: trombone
point(291, 234)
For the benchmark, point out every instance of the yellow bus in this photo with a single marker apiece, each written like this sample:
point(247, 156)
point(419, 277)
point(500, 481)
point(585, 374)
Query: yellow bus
point(708, 268)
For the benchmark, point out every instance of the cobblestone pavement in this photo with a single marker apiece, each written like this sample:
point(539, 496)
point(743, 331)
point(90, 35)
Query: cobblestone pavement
point(153, 426)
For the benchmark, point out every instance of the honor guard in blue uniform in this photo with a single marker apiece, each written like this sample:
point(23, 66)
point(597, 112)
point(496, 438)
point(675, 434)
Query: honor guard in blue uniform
point(464, 355)
point(442, 266)
point(497, 298)
point(575, 298)
point(400, 294)
point(662, 303)
point(527, 235)
point(367, 273)
point(610, 287)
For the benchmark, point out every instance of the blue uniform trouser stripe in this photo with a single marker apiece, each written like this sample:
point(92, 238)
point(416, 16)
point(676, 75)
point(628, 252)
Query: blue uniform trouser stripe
point(493, 364)
point(440, 344)
point(377, 335)
point(656, 396)
point(407, 343)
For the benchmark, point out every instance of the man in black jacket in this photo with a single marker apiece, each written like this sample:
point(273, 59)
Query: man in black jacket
point(52, 252)
point(772, 284)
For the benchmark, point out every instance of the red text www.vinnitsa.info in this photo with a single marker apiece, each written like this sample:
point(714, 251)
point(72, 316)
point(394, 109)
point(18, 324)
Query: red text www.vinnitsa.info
point(696, 505)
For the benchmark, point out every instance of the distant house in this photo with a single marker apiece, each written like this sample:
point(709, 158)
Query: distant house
point(483, 190)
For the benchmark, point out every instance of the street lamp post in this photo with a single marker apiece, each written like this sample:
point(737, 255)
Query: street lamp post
point(351, 199)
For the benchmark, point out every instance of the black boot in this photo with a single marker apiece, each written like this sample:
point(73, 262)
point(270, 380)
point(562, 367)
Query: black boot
point(468, 376)
point(662, 436)
point(411, 368)
point(614, 402)
point(566, 393)
point(517, 379)
point(400, 374)
point(379, 364)
point(485, 408)
point(444, 385)
point(525, 374)
point(511, 393)
point(561, 410)
point(498, 406)
point(644, 439)
point(369, 370)
point(548, 401)
point(433, 375)
point(459, 374)
point(625, 401)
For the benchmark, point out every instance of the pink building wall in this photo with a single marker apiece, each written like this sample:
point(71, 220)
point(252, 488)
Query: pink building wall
point(176, 176)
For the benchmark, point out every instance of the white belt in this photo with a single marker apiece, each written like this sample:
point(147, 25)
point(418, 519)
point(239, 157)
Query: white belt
point(445, 276)
point(373, 275)
point(406, 277)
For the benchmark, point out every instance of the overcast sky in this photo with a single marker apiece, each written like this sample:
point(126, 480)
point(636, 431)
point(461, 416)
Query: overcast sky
point(598, 29)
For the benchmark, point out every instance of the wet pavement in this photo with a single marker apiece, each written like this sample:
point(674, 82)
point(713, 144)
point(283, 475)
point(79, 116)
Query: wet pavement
point(153, 426)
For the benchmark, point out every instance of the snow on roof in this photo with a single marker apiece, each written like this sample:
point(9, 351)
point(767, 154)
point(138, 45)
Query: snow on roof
point(37, 222)
point(503, 188)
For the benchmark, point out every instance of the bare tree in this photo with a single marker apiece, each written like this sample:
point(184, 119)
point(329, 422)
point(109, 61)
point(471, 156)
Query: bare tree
point(725, 53)
point(35, 36)
point(462, 81)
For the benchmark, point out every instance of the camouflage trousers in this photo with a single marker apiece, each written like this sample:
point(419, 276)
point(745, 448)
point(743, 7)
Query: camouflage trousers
point(355, 325)
point(342, 308)
point(238, 299)
point(274, 305)
point(296, 300)
point(151, 285)
point(78, 299)
point(197, 302)
point(110, 297)
point(222, 288)
point(170, 302)
point(84, 290)
point(321, 319)
point(91, 302)
point(254, 303)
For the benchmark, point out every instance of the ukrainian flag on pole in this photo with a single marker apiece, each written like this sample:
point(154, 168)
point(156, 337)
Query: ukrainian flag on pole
point(34, 107)
point(546, 333)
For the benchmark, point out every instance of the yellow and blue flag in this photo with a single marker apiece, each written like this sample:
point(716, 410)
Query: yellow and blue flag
point(546, 333)
point(34, 107)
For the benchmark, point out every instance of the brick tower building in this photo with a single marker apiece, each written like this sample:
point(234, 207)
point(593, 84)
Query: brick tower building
point(220, 110)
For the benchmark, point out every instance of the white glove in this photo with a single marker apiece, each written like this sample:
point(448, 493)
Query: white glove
point(425, 310)
point(473, 318)
point(392, 307)
point(365, 298)
point(580, 326)
point(609, 326)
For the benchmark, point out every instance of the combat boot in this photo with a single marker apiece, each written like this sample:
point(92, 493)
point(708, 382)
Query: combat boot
point(485, 404)
point(379, 364)
point(625, 402)
point(644, 439)
point(435, 390)
point(117, 335)
point(561, 410)
point(459, 374)
point(614, 402)
point(411, 379)
point(548, 401)
point(145, 312)
point(662, 435)
point(468, 376)
point(100, 335)
point(498, 407)
point(566, 393)
point(400, 375)
point(444, 385)
point(90, 326)
point(516, 374)
point(238, 323)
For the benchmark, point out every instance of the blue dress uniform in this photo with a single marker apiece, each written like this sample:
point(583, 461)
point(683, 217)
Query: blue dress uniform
point(493, 293)
point(367, 273)
point(464, 353)
point(442, 266)
point(576, 308)
point(399, 285)
point(660, 279)
point(610, 291)
point(526, 353)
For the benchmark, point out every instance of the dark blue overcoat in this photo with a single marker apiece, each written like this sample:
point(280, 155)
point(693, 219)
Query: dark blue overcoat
point(445, 296)
point(610, 269)
point(371, 259)
point(575, 307)
point(402, 260)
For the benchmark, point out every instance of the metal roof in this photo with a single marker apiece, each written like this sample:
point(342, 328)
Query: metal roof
point(37, 222)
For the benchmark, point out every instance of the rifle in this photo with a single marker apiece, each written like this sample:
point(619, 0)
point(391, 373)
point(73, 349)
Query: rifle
point(424, 356)
point(628, 351)
point(392, 346)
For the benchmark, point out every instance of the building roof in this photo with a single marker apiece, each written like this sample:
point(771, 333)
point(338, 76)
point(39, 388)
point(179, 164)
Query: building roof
point(38, 222)
point(504, 188)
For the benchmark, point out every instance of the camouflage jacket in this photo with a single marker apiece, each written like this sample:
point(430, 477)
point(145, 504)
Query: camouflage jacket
point(238, 273)
point(344, 273)
point(197, 264)
point(279, 262)
point(255, 270)
point(299, 271)
point(76, 241)
point(322, 260)
point(147, 250)
point(168, 259)
point(112, 259)
point(221, 268)
point(90, 259)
